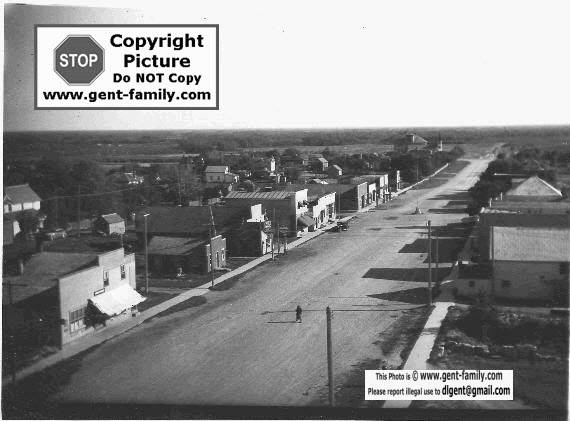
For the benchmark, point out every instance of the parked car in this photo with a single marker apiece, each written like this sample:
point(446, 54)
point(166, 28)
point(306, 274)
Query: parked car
point(55, 234)
point(341, 226)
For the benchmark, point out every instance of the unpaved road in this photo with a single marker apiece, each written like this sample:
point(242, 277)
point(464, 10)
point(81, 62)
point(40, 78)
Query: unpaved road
point(242, 346)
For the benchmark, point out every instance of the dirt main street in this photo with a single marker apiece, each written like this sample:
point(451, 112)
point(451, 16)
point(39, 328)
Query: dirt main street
point(241, 346)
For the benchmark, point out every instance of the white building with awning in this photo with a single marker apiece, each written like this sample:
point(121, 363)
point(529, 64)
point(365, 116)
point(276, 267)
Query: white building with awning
point(117, 300)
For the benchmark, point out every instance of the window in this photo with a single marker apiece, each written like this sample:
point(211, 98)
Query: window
point(564, 268)
point(123, 273)
point(106, 278)
point(223, 254)
point(77, 320)
point(471, 284)
point(506, 284)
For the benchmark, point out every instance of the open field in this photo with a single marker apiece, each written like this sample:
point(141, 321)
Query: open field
point(101, 144)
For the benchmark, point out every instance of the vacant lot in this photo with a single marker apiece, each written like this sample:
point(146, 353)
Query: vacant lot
point(540, 373)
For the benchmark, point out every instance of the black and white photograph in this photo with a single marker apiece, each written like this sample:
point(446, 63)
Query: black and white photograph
point(286, 210)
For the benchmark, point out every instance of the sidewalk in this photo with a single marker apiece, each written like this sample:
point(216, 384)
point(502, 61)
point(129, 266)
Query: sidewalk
point(112, 331)
point(420, 354)
point(418, 358)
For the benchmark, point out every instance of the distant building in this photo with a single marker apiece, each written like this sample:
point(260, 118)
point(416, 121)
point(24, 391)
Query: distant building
point(171, 254)
point(378, 186)
point(219, 174)
point(533, 189)
point(60, 297)
point(350, 197)
point(395, 180)
point(183, 234)
point(20, 198)
point(21, 215)
point(322, 207)
point(110, 224)
point(335, 171)
point(128, 179)
point(289, 207)
point(410, 142)
point(319, 164)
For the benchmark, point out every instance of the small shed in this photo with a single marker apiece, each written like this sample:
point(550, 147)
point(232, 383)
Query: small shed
point(111, 223)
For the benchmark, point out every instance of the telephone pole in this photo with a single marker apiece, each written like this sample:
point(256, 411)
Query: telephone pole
point(437, 283)
point(146, 253)
point(329, 357)
point(273, 237)
point(212, 231)
point(429, 263)
point(78, 211)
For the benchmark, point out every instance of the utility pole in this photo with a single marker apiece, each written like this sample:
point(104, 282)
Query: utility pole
point(492, 261)
point(329, 357)
point(273, 238)
point(417, 170)
point(146, 253)
point(437, 283)
point(56, 212)
point(212, 231)
point(78, 211)
point(429, 263)
point(278, 240)
point(179, 192)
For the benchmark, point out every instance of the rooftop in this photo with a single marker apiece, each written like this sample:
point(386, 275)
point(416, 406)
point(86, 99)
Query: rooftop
point(172, 245)
point(217, 168)
point(112, 218)
point(531, 244)
point(530, 206)
point(270, 195)
point(191, 220)
point(21, 193)
point(43, 270)
point(534, 186)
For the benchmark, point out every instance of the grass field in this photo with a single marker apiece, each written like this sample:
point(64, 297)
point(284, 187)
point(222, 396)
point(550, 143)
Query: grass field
point(101, 144)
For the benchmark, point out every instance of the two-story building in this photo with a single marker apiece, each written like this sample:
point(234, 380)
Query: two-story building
point(285, 208)
point(58, 297)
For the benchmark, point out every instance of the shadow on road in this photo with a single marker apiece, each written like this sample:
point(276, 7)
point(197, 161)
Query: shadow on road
point(291, 321)
point(410, 296)
point(407, 275)
point(446, 210)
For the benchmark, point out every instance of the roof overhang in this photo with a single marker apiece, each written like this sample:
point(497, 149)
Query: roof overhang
point(117, 300)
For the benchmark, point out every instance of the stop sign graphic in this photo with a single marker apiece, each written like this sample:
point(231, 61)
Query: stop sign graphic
point(79, 60)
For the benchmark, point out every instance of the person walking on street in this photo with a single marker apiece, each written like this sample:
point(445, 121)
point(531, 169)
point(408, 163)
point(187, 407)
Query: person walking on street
point(298, 313)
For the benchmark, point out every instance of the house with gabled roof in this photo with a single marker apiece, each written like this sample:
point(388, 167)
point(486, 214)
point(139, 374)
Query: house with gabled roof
point(20, 197)
point(108, 224)
point(410, 141)
point(219, 174)
point(533, 189)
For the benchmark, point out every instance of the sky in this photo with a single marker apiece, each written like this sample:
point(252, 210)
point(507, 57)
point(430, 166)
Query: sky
point(294, 64)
